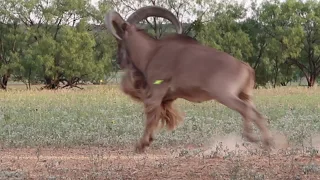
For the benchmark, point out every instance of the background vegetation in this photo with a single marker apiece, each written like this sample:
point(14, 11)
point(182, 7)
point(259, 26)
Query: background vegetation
point(60, 43)
point(102, 116)
point(91, 133)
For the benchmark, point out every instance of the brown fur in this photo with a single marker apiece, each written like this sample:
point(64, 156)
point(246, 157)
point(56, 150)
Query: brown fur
point(190, 71)
point(133, 84)
point(170, 116)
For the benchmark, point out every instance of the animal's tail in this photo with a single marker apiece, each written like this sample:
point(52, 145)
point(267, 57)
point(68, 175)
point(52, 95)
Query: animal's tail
point(247, 92)
point(170, 116)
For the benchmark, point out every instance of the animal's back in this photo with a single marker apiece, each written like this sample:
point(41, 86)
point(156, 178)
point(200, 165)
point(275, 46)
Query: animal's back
point(193, 64)
point(199, 58)
point(179, 38)
point(198, 69)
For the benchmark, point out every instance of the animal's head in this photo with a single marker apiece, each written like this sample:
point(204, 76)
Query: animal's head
point(123, 30)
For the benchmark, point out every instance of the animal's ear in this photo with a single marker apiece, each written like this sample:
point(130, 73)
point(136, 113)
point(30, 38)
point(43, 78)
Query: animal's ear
point(124, 26)
point(128, 27)
point(119, 30)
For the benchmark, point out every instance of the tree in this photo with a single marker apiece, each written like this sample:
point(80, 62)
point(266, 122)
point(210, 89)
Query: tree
point(12, 43)
point(53, 42)
point(309, 60)
point(157, 26)
point(223, 31)
point(294, 25)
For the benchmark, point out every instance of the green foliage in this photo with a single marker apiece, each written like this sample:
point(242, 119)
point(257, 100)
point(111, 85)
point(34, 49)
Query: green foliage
point(279, 39)
point(224, 33)
point(66, 41)
point(52, 42)
point(292, 36)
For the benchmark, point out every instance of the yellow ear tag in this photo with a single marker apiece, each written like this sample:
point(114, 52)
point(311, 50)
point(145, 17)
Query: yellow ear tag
point(158, 82)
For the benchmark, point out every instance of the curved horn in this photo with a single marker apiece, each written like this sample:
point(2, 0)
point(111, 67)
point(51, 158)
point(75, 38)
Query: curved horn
point(113, 17)
point(157, 11)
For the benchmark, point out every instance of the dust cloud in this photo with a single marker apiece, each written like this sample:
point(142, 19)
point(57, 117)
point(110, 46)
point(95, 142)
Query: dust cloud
point(234, 143)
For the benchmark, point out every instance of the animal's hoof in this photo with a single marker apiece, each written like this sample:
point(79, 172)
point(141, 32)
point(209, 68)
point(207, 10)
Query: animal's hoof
point(151, 139)
point(250, 138)
point(268, 143)
point(139, 148)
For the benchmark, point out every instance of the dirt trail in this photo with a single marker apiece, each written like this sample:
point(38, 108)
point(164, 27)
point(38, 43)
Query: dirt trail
point(161, 163)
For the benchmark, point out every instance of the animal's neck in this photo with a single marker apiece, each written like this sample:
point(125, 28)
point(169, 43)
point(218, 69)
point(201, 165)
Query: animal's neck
point(139, 50)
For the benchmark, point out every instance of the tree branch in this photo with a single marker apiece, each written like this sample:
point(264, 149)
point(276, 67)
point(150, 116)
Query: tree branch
point(302, 67)
point(260, 55)
point(318, 70)
point(58, 27)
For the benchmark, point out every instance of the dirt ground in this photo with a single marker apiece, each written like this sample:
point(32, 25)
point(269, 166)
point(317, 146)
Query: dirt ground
point(156, 163)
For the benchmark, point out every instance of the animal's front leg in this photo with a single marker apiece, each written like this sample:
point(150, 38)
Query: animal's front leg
point(152, 106)
point(153, 113)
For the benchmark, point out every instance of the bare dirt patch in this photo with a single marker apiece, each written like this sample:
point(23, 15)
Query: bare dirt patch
point(162, 163)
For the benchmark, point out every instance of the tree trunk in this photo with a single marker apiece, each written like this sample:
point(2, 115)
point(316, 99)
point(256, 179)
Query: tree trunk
point(276, 73)
point(29, 85)
point(311, 81)
point(50, 83)
point(283, 83)
point(29, 79)
point(4, 81)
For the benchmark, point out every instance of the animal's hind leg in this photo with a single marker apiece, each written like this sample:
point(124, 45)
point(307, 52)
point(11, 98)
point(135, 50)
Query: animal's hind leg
point(261, 123)
point(247, 125)
point(248, 112)
point(258, 120)
point(235, 103)
point(248, 130)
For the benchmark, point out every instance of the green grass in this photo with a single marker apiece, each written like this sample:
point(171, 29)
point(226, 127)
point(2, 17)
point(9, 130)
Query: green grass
point(102, 115)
